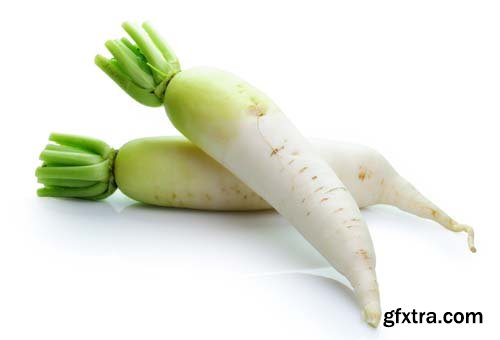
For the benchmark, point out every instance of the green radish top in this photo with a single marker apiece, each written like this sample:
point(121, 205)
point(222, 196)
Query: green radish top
point(200, 99)
point(143, 69)
point(76, 166)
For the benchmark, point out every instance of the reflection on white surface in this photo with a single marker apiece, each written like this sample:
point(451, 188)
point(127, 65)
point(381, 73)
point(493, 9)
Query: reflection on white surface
point(117, 269)
point(198, 274)
point(240, 242)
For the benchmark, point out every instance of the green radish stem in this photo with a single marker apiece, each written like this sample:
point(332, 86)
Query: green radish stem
point(142, 70)
point(76, 166)
point(69, 158)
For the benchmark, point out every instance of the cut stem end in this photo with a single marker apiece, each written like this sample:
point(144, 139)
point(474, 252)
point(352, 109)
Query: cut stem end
point(77, 166)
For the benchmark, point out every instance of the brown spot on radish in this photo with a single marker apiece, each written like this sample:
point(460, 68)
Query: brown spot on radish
point(276, 150)
point(303, 200)
point(324, 199)
point(337, 188)
point(290, 163)
point(257, 109)
point(339, 210)
point(245, 197)
point(314, 177)
point(363, 253)
point(364, 173)
point(434, 213)
point(303, 169)
point(320, 188)
point(308, 213)
point(348, 226)
point(355, 220)
point(382, 181)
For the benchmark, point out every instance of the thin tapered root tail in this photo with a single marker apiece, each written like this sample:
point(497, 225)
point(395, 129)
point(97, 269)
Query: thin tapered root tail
point(76, 166)
point(456, 227)
point(400, 193)
point(371, 314)
point(365, 286)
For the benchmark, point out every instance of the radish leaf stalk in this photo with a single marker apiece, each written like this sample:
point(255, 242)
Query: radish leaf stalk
point(143, 70)
point(76, 167)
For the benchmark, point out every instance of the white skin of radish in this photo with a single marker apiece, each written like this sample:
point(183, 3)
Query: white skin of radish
point(289, 174)
point(172, 172)
point(242, 129)
point(372, 180)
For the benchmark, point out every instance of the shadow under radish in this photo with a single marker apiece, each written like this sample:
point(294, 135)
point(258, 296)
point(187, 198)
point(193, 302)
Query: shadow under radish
point(232, 242)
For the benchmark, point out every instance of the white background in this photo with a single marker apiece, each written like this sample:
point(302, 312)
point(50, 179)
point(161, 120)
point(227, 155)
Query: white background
point(419, 81)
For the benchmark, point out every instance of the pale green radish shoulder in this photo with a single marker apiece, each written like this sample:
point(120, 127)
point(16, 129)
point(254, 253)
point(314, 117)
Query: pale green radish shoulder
point(221, 97)
point(172, 172)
